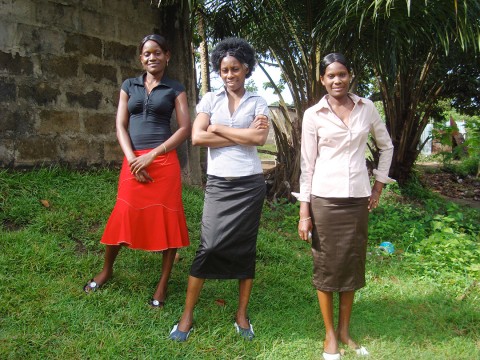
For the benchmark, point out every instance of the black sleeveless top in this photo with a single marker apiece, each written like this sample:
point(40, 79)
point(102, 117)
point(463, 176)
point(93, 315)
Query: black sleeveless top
point(150, 115)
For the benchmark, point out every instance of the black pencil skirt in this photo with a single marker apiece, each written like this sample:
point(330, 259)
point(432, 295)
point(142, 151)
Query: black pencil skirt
point(339, 242)
point(230, 221)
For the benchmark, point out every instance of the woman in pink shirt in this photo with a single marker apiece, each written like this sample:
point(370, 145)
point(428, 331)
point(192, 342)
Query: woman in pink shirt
point(336, 195)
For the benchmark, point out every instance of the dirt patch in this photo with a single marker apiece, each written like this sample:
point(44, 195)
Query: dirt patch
point(11, 226)
point(463, 190)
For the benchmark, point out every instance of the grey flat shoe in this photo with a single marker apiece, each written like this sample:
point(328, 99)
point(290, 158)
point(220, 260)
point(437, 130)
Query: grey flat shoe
point(180, 336)
point(248, 333)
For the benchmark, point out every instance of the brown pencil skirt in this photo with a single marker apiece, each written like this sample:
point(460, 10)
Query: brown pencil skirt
point(339, 242)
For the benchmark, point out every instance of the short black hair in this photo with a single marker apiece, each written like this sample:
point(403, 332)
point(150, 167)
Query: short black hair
point(236, 47)
point(159, 39)
point(330, 59)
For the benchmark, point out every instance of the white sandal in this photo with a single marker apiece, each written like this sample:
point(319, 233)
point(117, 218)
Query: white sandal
point(327, 356)
point(361, 351)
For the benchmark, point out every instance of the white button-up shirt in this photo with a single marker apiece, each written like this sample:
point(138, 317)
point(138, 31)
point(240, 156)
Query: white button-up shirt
point(236, 160)
point(333, 155)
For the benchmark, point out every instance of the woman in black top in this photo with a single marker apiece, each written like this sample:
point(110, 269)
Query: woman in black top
point(149, 212)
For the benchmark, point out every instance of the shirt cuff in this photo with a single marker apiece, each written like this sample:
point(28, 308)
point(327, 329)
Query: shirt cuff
point(301, 197)
point(381, 177)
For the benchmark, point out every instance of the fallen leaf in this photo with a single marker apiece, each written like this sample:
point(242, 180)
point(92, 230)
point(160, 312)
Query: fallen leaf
point(45, 203)
point(220, 302)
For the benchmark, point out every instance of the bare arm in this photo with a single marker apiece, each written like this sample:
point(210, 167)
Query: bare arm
point(123, 137)
point(121, 124)
point(255, 135)
point(202, 137)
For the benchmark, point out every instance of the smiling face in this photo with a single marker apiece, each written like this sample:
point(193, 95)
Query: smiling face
point(153, 58)
point(233, 73)
point(336, 80)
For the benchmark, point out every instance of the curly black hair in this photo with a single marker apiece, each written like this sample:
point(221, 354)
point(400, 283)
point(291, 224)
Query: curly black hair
point(236, 47)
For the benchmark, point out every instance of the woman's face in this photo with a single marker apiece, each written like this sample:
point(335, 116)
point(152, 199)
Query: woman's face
point(153, 58)
point(233, 73)
point(336, 80)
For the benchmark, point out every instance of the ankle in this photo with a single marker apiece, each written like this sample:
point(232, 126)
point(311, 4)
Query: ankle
point(241, 317)
point(330, 345)
point(160, 295)
point(185, 322)
point(102, 277)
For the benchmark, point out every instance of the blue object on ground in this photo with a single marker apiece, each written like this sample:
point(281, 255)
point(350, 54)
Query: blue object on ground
point(387, 247)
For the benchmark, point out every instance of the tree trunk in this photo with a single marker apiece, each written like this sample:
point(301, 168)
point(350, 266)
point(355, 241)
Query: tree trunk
point(178, 16)
point(204, 68)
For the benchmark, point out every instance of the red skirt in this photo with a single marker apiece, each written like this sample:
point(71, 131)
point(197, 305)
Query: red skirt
point(149, 216)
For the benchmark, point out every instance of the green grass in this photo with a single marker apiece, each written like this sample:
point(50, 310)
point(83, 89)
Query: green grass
point(48, 253)
point(267, 147)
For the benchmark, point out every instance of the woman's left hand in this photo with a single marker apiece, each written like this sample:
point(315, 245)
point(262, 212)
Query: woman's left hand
point(374, 199)
point(260, 122)
point(140, 163)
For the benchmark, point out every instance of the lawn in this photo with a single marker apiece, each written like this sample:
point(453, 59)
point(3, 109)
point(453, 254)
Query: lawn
point(420, 303)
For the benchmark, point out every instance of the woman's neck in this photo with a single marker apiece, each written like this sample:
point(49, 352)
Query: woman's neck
point(234, 99)
point(237, 94)
point(153, 78)
point(344, 100)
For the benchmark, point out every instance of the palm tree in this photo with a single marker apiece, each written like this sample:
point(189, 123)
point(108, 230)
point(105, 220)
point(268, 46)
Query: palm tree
point(282, 33)
point(200, 17)
point(407, 45)
point(404, 44)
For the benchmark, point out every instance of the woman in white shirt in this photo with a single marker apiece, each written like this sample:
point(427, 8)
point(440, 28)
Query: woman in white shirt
point(231, 122)
point(335, 194)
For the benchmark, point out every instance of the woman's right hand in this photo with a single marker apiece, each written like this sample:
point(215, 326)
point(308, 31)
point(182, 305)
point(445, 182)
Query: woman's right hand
point(305, 228)
point(143, 176)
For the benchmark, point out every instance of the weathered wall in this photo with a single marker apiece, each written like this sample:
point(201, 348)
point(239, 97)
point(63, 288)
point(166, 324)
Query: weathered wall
point(61, 66)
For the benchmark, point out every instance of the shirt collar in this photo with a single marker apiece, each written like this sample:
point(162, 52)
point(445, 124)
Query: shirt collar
point(223, 92)
point(166, 81)
point(323, 103)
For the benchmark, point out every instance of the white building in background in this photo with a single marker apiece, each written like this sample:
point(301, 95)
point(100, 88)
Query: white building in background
point(427, 134)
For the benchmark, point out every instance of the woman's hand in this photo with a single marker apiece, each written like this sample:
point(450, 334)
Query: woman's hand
point(143, 176)
point(260, 122)
point(374, 199)
point(305, 225)
point(305, 228)
point(141, 162)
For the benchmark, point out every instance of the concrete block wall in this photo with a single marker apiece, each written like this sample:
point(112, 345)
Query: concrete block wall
point(62, 63)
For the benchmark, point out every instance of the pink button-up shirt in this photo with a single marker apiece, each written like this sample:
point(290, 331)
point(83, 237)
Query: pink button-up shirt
point(333, 154)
